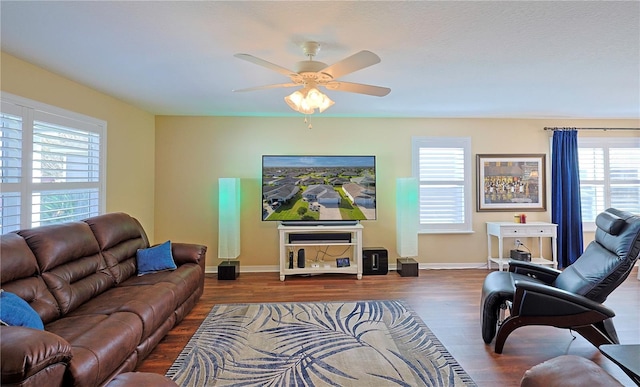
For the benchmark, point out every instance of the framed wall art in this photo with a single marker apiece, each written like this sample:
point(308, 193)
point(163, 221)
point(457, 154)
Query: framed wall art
point(511, 182)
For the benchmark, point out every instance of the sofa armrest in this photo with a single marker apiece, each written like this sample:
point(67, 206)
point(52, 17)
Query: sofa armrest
point(188, 253)
point(33, 357)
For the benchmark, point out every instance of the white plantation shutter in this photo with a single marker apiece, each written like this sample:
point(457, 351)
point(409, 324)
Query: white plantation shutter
point(609, 176)
point(442, 166)
point(52, 165)
point(62, 154)
point(10, 167)
point(11, 148)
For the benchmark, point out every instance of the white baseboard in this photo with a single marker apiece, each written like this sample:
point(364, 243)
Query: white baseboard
point(428, 266)
point(392, 267)
point(248, 269)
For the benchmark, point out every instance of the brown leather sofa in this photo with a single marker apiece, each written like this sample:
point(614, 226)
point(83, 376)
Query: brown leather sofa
point(100, 318)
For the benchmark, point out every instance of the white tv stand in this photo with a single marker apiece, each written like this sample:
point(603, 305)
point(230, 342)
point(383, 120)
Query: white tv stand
point(354, 250)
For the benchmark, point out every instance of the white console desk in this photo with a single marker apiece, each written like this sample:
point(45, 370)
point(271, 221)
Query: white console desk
point(538, 230)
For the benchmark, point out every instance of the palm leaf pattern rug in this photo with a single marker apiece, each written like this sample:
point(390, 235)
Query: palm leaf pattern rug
point(364, 343)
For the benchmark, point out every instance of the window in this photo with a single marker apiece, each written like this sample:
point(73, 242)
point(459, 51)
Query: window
point(442, 166)
point(52, 165)
point(609, 176)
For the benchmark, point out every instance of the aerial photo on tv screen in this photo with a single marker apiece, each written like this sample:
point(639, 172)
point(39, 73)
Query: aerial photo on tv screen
point(318, 188)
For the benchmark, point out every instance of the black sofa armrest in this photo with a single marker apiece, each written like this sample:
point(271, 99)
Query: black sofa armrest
point(188, 253)
point(31, 357)
point(542, 273)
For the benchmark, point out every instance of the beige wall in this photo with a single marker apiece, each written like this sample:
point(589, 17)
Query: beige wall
point(164, 170)
point(193, 152)
point(130, 133)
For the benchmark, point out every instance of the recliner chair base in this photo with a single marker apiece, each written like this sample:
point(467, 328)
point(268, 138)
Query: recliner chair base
point(498, 291)
point(598, 333)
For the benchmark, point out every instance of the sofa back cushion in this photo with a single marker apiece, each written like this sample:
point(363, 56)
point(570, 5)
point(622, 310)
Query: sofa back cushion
point(19, 274)
point(70, 261)
point(119, 237)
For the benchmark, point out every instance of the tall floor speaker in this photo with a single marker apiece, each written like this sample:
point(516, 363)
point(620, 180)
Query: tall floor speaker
point(407, 217)
point(375, 260)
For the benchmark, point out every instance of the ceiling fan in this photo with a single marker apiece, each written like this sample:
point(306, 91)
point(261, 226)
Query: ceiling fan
point(311, 74)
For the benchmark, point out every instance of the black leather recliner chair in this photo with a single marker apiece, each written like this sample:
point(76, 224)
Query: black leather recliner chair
point(572, 298)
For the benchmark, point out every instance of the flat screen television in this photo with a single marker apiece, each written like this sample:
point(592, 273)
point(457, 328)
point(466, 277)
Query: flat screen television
point(311, 190)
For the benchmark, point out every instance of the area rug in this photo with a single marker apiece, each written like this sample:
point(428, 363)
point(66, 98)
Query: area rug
point(366, 343)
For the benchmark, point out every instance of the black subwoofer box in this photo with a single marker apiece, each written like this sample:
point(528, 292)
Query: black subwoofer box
point(375, 260)
point(228, 270)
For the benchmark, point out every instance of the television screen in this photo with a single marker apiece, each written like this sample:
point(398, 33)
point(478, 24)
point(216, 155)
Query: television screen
point(318, 189)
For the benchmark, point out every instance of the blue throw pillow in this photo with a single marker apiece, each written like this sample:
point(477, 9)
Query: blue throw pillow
point(14, 311)
point(155, 259)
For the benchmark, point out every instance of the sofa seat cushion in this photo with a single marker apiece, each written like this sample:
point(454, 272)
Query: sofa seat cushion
point(186, 278)
point(100, 344)
point(153, 304)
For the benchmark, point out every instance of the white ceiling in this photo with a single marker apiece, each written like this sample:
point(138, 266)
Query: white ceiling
point(521, 59)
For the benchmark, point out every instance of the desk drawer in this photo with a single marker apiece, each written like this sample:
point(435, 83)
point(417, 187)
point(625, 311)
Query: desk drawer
point(532, 231)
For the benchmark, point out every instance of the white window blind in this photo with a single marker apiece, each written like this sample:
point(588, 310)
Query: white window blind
point(52, 165)
point(11, 149)
point(62, 154)
point(442, 166)
point(609, 176)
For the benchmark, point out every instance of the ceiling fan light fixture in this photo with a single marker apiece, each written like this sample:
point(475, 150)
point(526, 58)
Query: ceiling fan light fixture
point(325, 104)
point(294, 100)
point(307, 100)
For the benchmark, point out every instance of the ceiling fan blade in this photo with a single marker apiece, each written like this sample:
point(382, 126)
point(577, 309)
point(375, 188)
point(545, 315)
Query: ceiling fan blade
point(267, 87)
point(264, 63)
point(359, 88)
point(353, 63)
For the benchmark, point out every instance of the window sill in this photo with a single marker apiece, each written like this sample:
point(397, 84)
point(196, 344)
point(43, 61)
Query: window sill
point(446, 232)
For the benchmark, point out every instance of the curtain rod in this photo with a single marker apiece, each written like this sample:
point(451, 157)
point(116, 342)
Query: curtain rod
point(570, 128)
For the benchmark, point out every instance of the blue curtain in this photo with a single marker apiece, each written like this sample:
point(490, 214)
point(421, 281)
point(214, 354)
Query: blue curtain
point(565, 196)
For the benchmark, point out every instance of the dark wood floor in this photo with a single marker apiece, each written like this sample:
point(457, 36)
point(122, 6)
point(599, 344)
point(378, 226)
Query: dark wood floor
point(448, 302)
